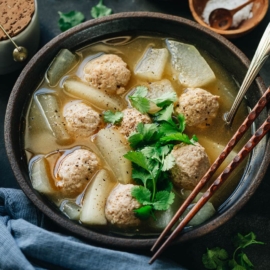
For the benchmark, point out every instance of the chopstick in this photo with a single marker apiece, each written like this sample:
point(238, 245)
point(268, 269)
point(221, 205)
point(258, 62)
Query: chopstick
point(223, 176)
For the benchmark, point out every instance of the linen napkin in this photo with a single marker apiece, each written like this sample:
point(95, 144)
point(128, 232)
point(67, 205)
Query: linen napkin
point(26, 244)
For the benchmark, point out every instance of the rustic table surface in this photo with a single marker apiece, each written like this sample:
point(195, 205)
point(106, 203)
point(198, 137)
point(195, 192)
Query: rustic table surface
point(254, 216)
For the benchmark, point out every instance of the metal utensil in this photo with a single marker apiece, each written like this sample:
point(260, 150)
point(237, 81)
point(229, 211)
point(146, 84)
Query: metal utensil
point(256, 64)
point(20, 53)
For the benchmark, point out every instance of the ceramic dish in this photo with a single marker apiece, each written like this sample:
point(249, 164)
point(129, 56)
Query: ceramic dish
point(126, 24)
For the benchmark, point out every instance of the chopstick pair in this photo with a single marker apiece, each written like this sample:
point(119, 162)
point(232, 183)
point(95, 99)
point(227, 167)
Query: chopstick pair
point(259, 134)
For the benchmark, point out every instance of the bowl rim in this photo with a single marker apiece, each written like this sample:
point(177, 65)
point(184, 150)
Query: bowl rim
point(230, 32)
point(88, 234)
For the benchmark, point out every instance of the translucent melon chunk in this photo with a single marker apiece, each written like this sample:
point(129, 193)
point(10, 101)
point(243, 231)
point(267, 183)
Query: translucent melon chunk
point(40, 177)
point(50, 109)
point(96, 194)
point(152, 65)
point(112, 145)
point(192, 67)
point(62, 63)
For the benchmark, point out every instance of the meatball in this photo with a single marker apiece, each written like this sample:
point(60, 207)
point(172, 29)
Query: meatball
point(198, 106)
point(76, 170)
point(191, 163)
point(107, 72)
point(81, 119)
point(120, 205)
point(131, 119)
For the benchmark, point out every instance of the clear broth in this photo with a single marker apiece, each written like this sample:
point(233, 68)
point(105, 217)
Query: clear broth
point(38, 139)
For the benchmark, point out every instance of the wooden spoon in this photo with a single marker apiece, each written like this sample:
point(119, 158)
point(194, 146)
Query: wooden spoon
point(221, 18)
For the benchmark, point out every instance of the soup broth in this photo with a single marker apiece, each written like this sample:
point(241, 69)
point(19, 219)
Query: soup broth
point(40, 141)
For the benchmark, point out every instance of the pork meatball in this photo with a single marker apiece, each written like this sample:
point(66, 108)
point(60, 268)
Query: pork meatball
point(107, 72)
point(76, 170)
point(81, 119)
point(131, 119)
point(120, 205)
point(198, 106)
point(191, 163)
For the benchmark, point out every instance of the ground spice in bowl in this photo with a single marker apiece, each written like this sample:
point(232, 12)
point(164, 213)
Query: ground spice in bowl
point(15, 15)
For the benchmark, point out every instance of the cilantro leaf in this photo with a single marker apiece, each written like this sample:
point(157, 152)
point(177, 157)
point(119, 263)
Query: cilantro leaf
point(168, 162)
point(165, 99)
point(166, 128)
point(214, 258)
point(138, 99)
point(139, 159)
point(181, 137)
point(244, 261)
point(140, 103)
point(181, 122)
point(135, 139)
point(70, 19)
point(141, 194)
point(151, 152)
point(100, 10)
point(217, 258)
point(144, 212)
point(145, 133)
point(194, 139)
point(163, 200)
point(242, 241)
point(141, 174)
point(165, 114)
point(111, 117)
point(141, 91)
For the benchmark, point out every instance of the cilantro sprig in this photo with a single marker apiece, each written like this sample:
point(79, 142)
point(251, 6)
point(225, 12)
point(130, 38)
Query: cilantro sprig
point(73, 18)
point(111, 117)
point(151, 155)
point(218, 258)
point(69, 19)
point(100, 10)
point(140, 101)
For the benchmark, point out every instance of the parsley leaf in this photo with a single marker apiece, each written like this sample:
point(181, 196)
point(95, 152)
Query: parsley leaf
point(168, 162)
point(165, 115)
point(181, 122)
point(242, 241)
point(144, 212)
point(111, 117)
point(139, 101)
point(146, 133)
point(139, 159)
point(70, 19)
point(166, 128)
point(140, 174)
point(165, 100)
point(152, 158)
point(142, 194)
point(181, 137)
point(215, 258)
point(163, 200)
point(100, 10)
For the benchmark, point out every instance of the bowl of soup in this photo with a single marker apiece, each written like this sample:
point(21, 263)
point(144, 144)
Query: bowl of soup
point(112, 124)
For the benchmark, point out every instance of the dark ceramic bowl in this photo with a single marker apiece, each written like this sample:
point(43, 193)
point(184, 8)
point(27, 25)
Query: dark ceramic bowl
point(141, 23)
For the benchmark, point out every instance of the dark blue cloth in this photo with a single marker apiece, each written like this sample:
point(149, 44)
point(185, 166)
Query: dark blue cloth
point(26, 244)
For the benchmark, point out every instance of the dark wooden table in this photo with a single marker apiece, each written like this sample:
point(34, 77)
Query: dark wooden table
point(254, 216)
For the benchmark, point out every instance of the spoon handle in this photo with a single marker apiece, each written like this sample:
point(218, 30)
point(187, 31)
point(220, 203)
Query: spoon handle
point(256, 64)
point(233, 11)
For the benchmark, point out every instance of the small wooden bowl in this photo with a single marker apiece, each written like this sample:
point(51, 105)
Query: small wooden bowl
point(259, 10)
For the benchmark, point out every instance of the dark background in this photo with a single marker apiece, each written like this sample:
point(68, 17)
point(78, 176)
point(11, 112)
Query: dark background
point(254, 216)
